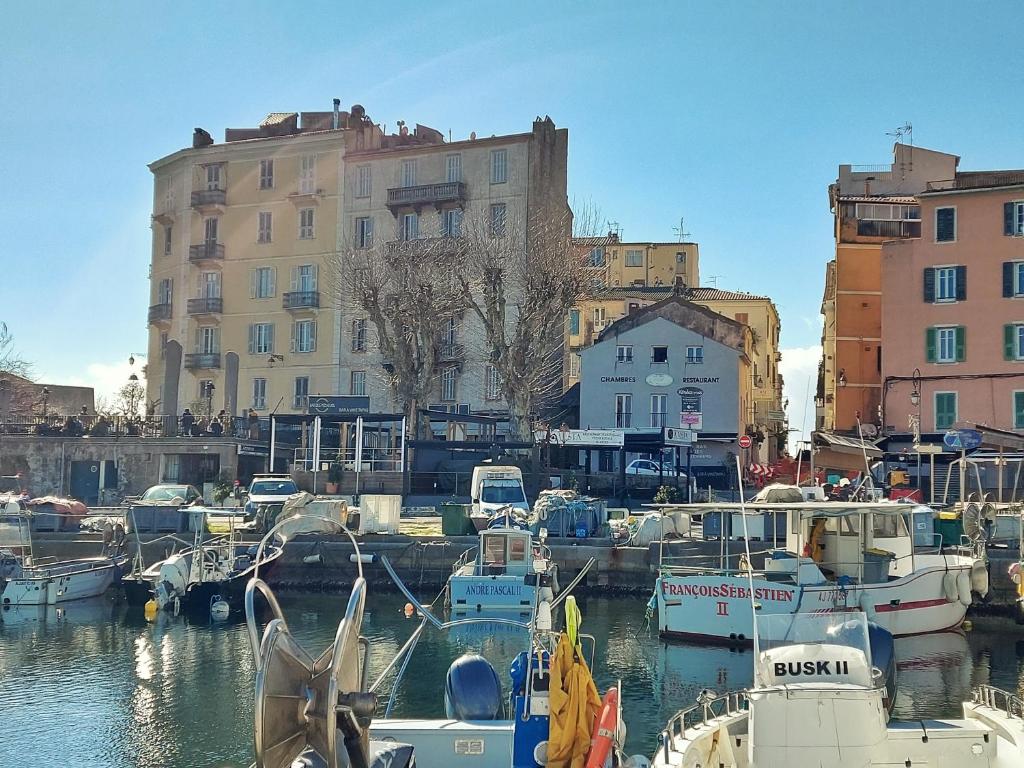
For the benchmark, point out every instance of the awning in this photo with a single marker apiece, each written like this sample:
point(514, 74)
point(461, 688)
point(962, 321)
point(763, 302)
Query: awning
point(1000, 438)
point(844, 444)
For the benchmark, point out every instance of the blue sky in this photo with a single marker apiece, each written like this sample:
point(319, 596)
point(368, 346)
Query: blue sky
point(734, 115)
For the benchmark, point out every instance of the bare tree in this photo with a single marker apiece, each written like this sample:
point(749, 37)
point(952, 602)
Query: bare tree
point(519, 277)
point(405, 291)
point(17, 393)
point(129, 399)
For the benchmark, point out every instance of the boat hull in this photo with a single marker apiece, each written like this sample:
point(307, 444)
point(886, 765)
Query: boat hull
point(490, 593)
point(716, 608)
point(71, 580)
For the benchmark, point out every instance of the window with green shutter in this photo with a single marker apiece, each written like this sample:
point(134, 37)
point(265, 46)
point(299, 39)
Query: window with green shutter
point(945, 410)
point(961, 343)
point(929, 344)
point(1018, 410)
point(945, 225)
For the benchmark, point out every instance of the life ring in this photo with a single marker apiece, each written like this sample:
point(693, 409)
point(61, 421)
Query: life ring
point(963, 586)
point(604, 730)
point(949, 587)
point(1014, 572)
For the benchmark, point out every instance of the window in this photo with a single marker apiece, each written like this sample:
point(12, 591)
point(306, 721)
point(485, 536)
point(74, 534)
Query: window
point(634, 257)
point(357, 383)
point(259, 393)
point(206, 388)
point(364, 232)
point(498, 220)
point(450, 333)
point(364, 183)
point(304, 278)
point(681, 258)
point(945, 225)
point(659, 410)
point(210, 231)
point(574, 365)
point(304, 336)
point(265, 224)
point(408, 173)
point(261, 338)
point(165, 291)
point(695, 355)
point(945, 344)
point(623, 411)
point(305, 223)
point(492, 383)
point(359, 335)
point(307, 175)
point(266, 174)
point(1018, 410)
point(301, 392)
point(624, 353)
point(888, 212)
point(168, 240)
point(410, 224)
point(209, 285)
point(1013, 218)
point(499, 166)
point(596, 258)
point(1013, 341)
point(945, 284)
point(453, 167)
point(1013, 278)
point(659, 354)
point(448, 380)
point(451, 223)
point(262, 285)
point(574, 322)
point(599, 315)
point(207, 340)
point(213, 176)
point(945, 410)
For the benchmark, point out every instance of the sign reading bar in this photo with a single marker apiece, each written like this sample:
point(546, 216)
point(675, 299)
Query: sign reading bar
point(326, 405)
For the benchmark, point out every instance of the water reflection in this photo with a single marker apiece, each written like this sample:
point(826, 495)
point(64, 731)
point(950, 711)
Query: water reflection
point(91, 683)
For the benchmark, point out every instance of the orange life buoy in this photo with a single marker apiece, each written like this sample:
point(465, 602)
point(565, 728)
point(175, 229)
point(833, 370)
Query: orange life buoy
point(604, 730)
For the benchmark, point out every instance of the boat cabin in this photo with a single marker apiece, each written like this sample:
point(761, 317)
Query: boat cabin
point(504, 552)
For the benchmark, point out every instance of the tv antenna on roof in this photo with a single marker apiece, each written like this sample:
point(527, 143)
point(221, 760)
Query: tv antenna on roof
point(614, 228)
point(680, 231)
point(714, 280)
point(906, 130)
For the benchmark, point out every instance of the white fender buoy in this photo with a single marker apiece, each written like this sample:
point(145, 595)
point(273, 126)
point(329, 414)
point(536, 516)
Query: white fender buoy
point(963, 585)
point(219, 609)
point(979, 578)
point(949, 587)
point(867, 604)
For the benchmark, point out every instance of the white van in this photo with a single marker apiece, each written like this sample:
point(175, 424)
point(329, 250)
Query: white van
point(494, 487)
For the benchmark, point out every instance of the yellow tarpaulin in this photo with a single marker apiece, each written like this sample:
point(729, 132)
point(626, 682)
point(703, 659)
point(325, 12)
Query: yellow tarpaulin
point(574, 700)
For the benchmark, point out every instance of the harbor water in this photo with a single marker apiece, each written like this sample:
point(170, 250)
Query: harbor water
point(93, 684)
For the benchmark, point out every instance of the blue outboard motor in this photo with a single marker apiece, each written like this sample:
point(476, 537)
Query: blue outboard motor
point(883, 657)
point(532, 720)
point(472, 690)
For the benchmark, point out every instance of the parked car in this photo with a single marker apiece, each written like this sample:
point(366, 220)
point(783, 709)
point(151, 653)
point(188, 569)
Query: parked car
point(649, 468)
point(166, 492)
point(268, 489)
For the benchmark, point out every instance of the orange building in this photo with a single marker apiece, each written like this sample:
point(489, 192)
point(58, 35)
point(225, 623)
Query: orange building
point(870, 205)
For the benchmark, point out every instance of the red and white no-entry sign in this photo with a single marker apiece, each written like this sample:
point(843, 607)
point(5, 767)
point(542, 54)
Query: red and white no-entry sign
point(745, 441)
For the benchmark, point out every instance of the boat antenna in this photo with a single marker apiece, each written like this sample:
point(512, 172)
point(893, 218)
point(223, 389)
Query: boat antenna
point(746, 547)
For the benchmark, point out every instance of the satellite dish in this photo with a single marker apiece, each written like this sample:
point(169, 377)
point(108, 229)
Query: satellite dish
point(974, 521)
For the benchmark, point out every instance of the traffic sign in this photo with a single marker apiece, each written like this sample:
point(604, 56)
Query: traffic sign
point(745, 441)
point(962, 439)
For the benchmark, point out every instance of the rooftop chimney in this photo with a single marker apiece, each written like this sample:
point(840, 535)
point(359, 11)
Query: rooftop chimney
point(337, 106)
point(201, 138)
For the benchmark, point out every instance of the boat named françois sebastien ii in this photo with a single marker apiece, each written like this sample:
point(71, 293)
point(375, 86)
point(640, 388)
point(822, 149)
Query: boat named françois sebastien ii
point(839, 557)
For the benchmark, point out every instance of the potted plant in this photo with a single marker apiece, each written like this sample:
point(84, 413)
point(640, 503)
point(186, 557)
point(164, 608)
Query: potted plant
point(334, 473)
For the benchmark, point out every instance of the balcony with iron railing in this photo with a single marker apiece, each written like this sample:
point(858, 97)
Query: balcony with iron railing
point(208, 251)
point(160, 313)
point(200, 360)
point(426, 194)
point(209, 200)
point(302, 300)
point(207, 305)
point(890, 229)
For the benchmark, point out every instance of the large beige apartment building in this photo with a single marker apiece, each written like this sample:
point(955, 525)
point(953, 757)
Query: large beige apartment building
point(248, 238)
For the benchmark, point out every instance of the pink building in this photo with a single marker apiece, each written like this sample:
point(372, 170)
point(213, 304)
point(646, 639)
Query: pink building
point(953, 308)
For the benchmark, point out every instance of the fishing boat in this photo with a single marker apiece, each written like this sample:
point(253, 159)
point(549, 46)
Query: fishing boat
point(321, 710)
point(819, 669)
point(31, 580)
point(840, 557)
point(503, 573)
point(207, 578)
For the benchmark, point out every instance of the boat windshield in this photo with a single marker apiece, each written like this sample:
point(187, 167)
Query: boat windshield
point(502, 492)
point(812, 647)
point(273, 488)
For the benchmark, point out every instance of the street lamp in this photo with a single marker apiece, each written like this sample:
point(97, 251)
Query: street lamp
point(209, 399)
point(46, 399)
point(915, 395)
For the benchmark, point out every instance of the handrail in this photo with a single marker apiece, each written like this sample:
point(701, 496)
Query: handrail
point(730, 703)
point(997, 698)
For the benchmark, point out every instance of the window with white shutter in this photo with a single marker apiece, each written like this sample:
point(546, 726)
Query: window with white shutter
point(265, 225)
point(259, 393)
point(359, 335)
point(364, 232)
point(408, 173)
point(499, 166)
point(266, 174)
point(304, 336)
point(448, 384)
point(453, 168)
point(306, 223)
point(263, 283)
point(357, 383)
point(307, 175)
point(364, 182)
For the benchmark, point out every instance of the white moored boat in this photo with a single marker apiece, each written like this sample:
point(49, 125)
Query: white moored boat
point(839, 557)
point(817, 700)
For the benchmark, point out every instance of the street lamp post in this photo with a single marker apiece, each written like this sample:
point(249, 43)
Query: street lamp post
point(915, 400)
